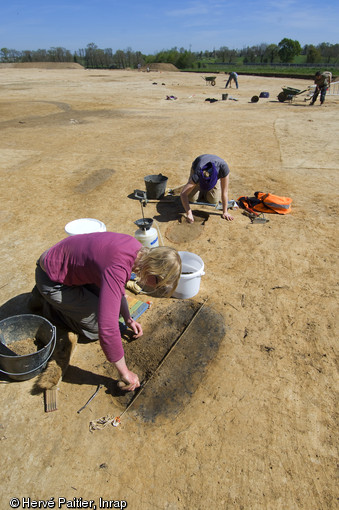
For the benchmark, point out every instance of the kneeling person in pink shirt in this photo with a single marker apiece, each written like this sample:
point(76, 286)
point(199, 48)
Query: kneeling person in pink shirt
point(82, 282)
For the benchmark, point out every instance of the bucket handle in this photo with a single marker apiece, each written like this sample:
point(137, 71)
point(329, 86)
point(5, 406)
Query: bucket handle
point(36, 368)
point(193, 275)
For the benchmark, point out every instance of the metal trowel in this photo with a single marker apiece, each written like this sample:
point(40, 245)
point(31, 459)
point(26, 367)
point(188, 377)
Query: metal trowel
point(256, 217)
point(259, 219)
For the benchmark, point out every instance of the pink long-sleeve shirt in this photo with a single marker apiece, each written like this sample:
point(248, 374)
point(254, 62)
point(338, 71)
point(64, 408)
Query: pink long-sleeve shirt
point(106, 260)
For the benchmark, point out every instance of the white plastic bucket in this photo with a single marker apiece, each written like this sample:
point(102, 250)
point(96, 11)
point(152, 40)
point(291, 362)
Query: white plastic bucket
point(191, 272)
point(84, 226)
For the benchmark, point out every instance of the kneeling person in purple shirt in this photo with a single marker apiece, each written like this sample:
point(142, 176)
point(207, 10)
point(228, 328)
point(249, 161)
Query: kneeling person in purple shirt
point(82, 282)
point(208, 181)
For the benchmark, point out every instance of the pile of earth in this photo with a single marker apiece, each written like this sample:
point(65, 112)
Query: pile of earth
point(43, 65)
point(161, 66)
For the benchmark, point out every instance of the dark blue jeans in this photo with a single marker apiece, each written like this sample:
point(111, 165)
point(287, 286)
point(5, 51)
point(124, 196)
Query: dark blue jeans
point(234, 78)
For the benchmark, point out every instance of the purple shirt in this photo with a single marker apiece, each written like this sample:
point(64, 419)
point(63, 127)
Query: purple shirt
point(106, 260)
point(199, 162)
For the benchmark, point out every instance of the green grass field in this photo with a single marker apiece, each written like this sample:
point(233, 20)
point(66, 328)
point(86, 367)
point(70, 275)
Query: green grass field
point(265, 70)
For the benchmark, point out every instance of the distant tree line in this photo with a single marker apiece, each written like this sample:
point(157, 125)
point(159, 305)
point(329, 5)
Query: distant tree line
point(287, 51)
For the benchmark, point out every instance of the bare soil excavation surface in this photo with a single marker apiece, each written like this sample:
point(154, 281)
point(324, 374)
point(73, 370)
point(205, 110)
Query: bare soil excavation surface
point(242, 414)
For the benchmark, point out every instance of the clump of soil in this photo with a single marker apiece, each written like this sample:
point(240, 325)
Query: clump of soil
point(25, 346)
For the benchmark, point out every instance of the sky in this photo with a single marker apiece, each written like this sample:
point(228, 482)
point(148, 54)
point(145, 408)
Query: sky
point(150, 26)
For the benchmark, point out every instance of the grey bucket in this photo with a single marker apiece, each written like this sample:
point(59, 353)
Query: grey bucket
point(155, 186)
point(20, 327)
point(224, 96)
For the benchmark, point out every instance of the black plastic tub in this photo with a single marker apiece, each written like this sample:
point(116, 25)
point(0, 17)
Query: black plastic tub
point(155, 186)
point(20, 327)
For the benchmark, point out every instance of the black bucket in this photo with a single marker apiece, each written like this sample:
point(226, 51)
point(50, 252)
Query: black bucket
point(155, 186)
point(20, 327)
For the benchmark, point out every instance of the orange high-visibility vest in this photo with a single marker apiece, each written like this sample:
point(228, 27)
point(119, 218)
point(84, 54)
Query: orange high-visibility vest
point(266, 203)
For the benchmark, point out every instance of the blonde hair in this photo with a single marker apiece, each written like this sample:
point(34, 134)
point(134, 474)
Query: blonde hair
point(162, 262)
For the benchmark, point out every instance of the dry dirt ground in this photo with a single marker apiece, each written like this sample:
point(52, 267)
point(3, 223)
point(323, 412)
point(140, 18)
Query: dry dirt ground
point(258, 430)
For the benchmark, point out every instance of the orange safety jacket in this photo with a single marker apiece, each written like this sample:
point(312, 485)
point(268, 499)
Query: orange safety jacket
point(265, 203)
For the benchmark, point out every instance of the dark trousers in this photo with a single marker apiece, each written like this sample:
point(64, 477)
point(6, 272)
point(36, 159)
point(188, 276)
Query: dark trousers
point(322, 91)
point(234, 78)
point(72, 307)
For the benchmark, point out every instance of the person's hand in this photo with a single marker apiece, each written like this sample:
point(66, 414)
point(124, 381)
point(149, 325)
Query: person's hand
point(135, 327)
point(129, 381)
point(189, 217)
point(227, 216)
